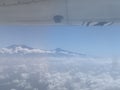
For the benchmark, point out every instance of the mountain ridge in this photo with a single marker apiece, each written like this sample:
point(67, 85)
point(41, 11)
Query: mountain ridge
point(26, 50)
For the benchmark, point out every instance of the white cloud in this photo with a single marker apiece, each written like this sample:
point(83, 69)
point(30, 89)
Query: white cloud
point(25, 75)
point(2, 77)
point(23, 50)
point(12, 89)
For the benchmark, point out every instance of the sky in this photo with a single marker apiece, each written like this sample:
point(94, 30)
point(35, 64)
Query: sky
point(99, 41)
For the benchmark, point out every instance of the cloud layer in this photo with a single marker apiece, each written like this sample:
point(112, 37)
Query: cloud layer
point(59, 74)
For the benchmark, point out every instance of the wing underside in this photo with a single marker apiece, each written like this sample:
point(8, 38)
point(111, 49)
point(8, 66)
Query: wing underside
point(60, 12)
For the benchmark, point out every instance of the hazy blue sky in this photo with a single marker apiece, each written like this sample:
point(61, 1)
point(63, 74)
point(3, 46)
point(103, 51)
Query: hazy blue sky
point(90, 40)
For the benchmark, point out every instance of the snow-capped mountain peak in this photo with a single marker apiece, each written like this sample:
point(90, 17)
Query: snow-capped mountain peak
point(18, 46)
point(21, 49)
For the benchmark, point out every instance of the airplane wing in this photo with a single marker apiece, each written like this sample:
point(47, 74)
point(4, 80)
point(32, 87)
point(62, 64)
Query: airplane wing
point(60, 12)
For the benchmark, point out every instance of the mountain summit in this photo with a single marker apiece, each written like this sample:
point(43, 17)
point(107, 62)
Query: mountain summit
point(16, 46)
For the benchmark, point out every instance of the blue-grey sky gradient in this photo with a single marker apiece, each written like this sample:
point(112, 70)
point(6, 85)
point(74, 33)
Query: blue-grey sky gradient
point(100, 41)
